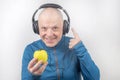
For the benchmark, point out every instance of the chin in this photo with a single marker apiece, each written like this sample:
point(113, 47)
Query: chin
point(50, 45)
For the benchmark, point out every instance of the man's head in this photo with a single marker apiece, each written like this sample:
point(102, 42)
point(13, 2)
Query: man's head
point(50, 24)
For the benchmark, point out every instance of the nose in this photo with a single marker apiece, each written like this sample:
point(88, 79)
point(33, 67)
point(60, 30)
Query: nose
point(49, 32)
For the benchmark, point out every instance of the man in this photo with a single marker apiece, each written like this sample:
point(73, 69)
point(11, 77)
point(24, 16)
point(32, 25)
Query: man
point(68, 58)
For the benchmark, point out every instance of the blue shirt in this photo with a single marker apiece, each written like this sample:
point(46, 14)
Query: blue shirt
point(63, 63)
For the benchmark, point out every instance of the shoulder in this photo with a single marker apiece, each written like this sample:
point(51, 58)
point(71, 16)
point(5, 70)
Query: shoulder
point(67, 39)
point(30, 48)
point(35, 45)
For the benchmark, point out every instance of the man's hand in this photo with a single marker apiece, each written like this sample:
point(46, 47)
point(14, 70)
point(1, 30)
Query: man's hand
point(74, 40)
point(36, 67)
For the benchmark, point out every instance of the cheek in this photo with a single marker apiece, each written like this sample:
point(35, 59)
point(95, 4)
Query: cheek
point(59, 36)
point(59, 33)
point(42, 34)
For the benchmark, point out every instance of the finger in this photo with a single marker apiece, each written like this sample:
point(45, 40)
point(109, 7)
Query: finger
point(71, 42)
point(74, 33)
point(32, 63)
point(36, 66)
point(70, 46)
point(41, 69)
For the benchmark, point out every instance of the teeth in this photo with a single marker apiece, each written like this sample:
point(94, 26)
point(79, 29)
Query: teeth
point(50, 38)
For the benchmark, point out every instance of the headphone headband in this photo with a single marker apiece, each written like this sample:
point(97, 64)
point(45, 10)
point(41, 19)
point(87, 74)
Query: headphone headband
point(52, 6)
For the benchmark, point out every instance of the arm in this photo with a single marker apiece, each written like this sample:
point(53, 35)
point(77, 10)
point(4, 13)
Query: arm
point(27, 56)
point(89, 70)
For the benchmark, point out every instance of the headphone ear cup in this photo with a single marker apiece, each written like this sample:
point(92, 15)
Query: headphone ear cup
point(35, 27)
point(65, 27)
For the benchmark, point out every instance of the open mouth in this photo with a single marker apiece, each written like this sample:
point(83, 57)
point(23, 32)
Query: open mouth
point(52, 40)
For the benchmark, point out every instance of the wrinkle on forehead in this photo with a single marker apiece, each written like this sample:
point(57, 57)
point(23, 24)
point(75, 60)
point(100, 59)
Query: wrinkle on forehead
point(51, 12)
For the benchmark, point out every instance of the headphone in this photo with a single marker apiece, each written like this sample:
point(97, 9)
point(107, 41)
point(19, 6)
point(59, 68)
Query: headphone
point(66, 23)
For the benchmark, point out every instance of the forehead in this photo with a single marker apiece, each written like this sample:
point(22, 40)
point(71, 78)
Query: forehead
point(51, 12)
point(50, 17)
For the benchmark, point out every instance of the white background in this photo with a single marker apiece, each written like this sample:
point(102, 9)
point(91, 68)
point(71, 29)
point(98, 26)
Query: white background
point(96, 21)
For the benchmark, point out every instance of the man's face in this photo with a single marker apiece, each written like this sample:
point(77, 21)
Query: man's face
point(50, 28)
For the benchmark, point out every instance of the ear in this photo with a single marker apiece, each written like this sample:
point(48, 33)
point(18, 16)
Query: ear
point(65, 27)
point(35, 27)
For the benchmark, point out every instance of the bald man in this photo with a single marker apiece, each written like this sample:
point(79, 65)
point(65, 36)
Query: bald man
point(68, 58)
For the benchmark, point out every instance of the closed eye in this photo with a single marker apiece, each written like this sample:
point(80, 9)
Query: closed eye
point(43, 28)
point(55, 28)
